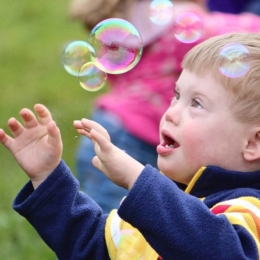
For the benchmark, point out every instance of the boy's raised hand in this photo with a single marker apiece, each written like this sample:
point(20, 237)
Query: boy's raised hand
point(115, 163)
point(37, 144)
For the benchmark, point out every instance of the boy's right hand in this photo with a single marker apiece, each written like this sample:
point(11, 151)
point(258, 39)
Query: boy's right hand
point(115, 163)
point(36, 146)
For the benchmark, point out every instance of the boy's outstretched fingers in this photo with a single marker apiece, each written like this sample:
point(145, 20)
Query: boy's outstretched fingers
point(5, 139)
point(89, 124)
point(104, 144)
point(15, 127)
point(54, 137)
point(44, 115)
point(84, 127)
point(28, 117)
point(80, 128)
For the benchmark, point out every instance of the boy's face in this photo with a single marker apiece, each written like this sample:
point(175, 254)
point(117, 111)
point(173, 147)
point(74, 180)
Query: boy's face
point(198, 129)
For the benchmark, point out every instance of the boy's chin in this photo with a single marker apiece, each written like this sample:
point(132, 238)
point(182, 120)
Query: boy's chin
point(167, 172)
point(173, 175)
point(165, 167)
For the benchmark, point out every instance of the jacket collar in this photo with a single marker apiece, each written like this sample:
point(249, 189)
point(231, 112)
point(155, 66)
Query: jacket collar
point(212, 179)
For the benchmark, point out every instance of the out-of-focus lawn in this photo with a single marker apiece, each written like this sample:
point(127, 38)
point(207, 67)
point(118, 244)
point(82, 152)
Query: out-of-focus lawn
point(32, 37)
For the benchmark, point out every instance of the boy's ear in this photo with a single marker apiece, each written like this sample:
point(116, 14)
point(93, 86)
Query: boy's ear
point(252, 148)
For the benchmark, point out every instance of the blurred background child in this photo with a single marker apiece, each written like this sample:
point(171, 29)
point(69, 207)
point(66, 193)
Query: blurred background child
point(132, 108)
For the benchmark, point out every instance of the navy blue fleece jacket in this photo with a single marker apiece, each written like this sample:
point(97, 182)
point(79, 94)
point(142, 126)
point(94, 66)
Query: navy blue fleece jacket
point(216, 216)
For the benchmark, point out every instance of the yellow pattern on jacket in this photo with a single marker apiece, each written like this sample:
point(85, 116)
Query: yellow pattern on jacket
point(124, 242)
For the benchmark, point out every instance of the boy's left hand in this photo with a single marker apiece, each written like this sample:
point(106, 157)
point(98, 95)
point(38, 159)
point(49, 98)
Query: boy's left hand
point(117, 165)
point(37, 144)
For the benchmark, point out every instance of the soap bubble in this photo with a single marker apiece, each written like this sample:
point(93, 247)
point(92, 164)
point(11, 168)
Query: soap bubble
point(91, 78)
point(117, 44)
point(187, 27)
point(75, 55)
point(161, 11)
point(235, 60)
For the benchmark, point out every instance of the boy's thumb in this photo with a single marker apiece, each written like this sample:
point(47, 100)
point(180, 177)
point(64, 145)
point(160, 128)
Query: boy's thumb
point(97, 163)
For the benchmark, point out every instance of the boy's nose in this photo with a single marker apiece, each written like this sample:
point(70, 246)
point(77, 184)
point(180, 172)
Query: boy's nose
point(173, 114)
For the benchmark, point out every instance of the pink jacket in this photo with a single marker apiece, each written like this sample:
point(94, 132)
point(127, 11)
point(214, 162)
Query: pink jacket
point(141, 96)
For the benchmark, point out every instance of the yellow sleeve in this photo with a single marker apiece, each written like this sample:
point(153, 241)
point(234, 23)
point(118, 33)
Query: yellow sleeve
point(125, 242)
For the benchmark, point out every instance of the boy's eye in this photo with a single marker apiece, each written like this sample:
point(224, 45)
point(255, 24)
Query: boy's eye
point(176, 95)
point(195, 103)
point(175, 98)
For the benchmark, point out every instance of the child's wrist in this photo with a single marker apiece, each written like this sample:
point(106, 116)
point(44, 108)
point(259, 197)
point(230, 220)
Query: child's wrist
point(134, 176)
point(37, 181)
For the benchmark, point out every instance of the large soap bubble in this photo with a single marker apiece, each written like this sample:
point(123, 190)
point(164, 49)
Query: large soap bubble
point(117, 45)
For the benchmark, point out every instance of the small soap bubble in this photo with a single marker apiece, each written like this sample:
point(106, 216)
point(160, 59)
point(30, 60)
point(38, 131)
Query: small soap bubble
point(127, 245)
point(91, 78)
point(161, 11)
point(117, 45)
point(235, 60)
point(187, 28)
point(75, 55)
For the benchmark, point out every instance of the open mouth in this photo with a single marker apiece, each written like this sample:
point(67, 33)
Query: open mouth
point(169, 143)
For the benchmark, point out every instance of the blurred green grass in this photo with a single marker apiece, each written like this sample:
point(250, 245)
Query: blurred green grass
point(33, 35)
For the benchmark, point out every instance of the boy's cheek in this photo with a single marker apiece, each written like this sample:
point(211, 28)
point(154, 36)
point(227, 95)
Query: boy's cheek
point(192, 136)
point(193, 143)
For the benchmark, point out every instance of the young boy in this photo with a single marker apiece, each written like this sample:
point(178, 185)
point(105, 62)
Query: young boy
point(210, 143)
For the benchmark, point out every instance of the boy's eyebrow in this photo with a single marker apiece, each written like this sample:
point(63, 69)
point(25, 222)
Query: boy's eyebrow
point(196, 92)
